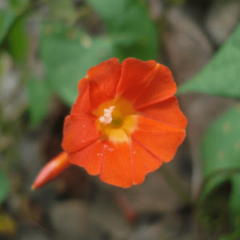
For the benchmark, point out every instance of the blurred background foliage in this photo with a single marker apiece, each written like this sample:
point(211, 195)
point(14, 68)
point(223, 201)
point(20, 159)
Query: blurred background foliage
point(51, 45)
point(64, 45)
point(220, 148)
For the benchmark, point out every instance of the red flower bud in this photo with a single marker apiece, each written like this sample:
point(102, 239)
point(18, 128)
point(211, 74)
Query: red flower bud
point(51, 170)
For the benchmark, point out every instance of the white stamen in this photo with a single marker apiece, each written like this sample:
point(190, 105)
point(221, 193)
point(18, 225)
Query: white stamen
point(107, 116)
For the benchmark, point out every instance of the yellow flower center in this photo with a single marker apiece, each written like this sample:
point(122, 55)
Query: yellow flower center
point(116, 120)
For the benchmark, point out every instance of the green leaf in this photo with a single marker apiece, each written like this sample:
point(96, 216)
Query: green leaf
point(68, 54)
point(129, 26)
point(39, 95)
point(221, 157)
point(17, 40)
point(9, 15)
point(6, 20)
point(234, 202)
point(221, 144)
point(221, 76)
point(212, 181)
point(4, 186)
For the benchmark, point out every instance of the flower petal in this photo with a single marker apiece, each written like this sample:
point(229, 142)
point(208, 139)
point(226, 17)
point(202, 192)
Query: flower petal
point(166, 111)
point(103, 80)
point(89, 157)
point(145, 83)
point(143, 162)
point(158, 87)
point(79, 132)
point(82, 105)
point(160, 139)
point(116, 165)
point(133, 78)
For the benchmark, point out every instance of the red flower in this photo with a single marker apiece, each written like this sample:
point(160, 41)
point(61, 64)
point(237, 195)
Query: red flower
point(126, 121)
